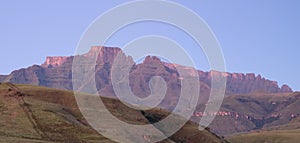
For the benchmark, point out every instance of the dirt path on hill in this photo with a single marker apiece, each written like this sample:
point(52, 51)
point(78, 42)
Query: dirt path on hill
point(20, 98)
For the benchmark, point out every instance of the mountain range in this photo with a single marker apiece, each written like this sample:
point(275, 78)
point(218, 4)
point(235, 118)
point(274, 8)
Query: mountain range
point(56, 72)
point(251, 103)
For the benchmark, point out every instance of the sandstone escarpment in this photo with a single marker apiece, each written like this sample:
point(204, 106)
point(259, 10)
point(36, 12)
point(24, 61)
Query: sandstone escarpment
point(56, 72)
point(56, 61)
point(246, 83)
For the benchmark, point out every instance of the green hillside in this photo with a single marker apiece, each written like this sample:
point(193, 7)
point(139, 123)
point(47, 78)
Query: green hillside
point(38, 114)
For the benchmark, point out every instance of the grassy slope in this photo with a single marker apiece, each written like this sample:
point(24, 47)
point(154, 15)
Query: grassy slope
point(50, 115)
point(285, 133)
point(52, 121)
point(279, 136)
point(258, 106)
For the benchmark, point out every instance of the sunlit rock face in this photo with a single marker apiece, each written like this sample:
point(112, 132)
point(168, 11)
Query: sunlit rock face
point(55, 61)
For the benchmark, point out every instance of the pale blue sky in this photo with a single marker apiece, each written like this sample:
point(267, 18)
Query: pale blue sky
point(259, 36)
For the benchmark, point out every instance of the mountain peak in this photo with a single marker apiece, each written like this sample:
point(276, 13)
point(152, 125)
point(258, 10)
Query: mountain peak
point(285, 88)
point(103, 49)
point(55, 61)
point(105, 54)
point(151, 59)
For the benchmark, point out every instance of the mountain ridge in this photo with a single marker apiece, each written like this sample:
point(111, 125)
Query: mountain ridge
point(59, 67)
point(56, 72)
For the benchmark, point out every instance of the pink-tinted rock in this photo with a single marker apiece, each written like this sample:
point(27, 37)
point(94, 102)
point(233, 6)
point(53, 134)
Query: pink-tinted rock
point(55, 61)
point(56, 72)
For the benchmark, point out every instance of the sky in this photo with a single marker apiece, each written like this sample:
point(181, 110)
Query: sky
point(257, 36)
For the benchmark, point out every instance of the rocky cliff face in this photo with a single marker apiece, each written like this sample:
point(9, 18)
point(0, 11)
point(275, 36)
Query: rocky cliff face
point(246, 83)
point(106, 54)
point(240, 83)
point(56, 61)
point(56, 72)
